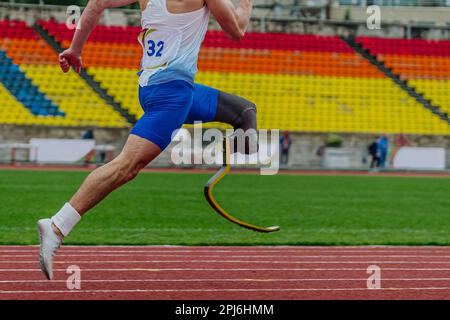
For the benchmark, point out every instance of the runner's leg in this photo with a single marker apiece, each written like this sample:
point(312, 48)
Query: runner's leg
point(213, 105)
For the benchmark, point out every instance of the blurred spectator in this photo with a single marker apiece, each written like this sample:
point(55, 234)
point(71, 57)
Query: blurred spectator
point(285, 145)
point(383, 147)
point(88, 134)
point(321, 150)
point(373, 151)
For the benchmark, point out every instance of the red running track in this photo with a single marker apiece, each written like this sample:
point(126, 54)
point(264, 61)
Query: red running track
point(227, 273)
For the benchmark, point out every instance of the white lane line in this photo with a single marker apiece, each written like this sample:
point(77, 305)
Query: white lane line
point(169, 246)
point(223, 280)
point(230, 261)
point(222, 290)
point(269, 252)
point(232, 248)
point(198, 255)
point(230, 256)
point(228, 269)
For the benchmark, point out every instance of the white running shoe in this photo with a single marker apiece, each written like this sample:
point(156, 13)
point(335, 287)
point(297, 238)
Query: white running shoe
point(50, 242)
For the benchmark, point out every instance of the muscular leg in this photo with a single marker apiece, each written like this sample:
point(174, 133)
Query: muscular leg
point(136, 154)
point(166, 107)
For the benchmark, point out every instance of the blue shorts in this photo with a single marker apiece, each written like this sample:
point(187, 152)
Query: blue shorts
point(169, 105)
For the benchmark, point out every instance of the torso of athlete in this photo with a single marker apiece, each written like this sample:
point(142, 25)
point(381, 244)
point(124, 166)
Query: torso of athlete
point(172, 33)
point(171, 36)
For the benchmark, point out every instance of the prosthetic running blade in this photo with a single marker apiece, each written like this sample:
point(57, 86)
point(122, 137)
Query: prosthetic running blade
point(213, 202)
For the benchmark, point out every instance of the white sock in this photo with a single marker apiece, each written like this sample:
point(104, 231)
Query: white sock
point(66, 219)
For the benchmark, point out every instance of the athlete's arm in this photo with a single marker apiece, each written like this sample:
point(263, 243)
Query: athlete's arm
point(233, 21)
point(89, 19)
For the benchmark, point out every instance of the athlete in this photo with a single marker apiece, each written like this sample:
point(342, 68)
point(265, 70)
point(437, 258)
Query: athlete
point(172, 33)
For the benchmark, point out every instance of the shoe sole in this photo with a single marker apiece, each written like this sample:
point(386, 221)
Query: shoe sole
point(41, 257)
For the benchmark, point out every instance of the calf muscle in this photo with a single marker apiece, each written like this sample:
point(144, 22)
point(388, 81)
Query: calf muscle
point(136, 154)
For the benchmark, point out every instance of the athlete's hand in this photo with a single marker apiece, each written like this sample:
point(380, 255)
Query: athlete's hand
point(68, 58)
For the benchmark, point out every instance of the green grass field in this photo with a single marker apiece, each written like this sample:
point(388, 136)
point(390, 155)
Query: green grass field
point(169, 208)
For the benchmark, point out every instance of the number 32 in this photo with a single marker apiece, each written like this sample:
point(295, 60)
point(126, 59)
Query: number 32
point(155, 49)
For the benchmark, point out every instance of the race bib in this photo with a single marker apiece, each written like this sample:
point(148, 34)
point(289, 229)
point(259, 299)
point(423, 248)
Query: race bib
point(159, 47)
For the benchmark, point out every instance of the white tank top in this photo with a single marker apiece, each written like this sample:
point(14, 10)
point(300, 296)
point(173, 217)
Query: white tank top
point(171, 43)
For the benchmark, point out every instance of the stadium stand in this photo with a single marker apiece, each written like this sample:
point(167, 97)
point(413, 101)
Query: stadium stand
point(299, 82)
point(23, 89)
point(424, 64)
point(34, 78)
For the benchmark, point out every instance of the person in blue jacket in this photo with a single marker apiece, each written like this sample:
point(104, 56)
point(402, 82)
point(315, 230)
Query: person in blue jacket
point(383, 148)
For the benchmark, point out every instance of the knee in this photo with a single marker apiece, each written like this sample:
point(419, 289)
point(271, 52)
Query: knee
point(247, 117)
point(249, 112)
point(127, 171)
point(249, 108)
